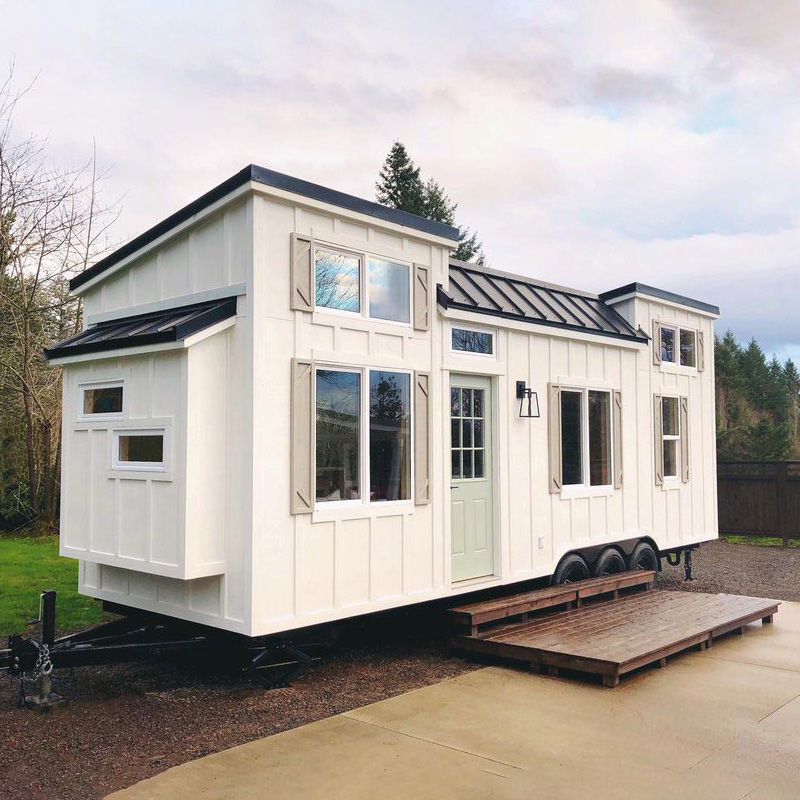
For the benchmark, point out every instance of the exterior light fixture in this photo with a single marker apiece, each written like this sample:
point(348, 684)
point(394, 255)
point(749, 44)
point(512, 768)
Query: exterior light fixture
point(529, 410)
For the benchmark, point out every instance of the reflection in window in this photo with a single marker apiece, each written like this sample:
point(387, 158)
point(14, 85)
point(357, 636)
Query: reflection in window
point(688, 348)
point(668, 344)
point(338, 419)
point(599, 438)
point(472, 341)
point(389, 291)
point(467, 428)
point(141, 448)
point(389, 435)
point(102, 400)
point(671, 433)
point(571, 438)
point(337, 280)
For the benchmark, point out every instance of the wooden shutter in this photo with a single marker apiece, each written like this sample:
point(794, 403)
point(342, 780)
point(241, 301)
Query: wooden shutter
point(554, 435)
point(617, 412)
point(422, 450)
point(302, 484)
point(302, 273)
point(685, 466)
point(658, 430)
point(701, 351)
point(422, 320)
point(656, 343)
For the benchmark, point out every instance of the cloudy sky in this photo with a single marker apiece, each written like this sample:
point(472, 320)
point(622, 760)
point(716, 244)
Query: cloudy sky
point(590, 143)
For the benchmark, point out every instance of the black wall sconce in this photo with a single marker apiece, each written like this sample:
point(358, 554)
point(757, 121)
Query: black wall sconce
point(523, 394)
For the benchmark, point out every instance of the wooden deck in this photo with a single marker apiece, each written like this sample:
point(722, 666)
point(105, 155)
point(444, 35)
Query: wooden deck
point(613, 637)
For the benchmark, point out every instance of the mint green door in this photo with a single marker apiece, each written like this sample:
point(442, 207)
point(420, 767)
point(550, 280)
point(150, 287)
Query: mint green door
point(471, 511)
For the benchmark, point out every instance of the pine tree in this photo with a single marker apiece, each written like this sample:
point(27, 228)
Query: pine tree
point(756, 375)
point(399, 184)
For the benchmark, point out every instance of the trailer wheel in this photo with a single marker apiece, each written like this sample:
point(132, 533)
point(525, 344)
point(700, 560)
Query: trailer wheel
point(571, 568)
point(644, 557)
point(609, 562)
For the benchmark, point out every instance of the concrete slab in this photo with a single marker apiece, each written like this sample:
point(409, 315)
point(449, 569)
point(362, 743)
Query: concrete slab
point(718, 724)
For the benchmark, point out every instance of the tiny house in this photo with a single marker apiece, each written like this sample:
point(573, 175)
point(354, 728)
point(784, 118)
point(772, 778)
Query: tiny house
point(290, 406)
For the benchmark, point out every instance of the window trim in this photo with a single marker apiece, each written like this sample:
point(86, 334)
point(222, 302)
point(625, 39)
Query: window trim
point(677, 330)
point(585, 488)
point(363, 257)
point(331, 507)
point(676, 478)
point(491, 332)
point(111, 383)
point(140, 466)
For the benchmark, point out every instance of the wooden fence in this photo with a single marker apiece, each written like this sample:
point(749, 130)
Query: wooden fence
point(759, 498)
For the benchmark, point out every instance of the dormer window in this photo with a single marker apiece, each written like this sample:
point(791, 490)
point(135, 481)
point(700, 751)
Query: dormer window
point(678, 346)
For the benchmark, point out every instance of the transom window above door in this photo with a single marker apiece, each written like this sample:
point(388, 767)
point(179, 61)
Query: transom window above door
point(362, 284)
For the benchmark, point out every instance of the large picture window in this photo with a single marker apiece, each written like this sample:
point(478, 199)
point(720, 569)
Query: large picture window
point(586, 441)
point(363, 435)
point(389, 290)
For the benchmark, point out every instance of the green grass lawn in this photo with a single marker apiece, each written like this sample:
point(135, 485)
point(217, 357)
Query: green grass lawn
point(28, 566)
point(758, 541)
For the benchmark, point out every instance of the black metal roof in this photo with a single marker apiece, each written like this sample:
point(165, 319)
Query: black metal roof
point(277, 180)
point(500, 294)
point(171, 325)
point(661, 294)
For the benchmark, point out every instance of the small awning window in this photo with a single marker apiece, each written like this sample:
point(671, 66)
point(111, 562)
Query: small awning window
point(171, 325)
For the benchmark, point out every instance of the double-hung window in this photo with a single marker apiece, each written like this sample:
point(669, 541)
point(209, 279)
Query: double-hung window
point(586, 441)
point(671, 435)
point(363, 435)
point(361, 284)
point(678, 346)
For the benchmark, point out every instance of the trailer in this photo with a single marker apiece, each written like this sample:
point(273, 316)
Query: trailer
point(291, 406)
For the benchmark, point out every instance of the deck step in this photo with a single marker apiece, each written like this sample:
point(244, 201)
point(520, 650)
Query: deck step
point(476, 615)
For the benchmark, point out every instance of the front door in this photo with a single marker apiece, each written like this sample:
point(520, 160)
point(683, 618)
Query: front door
point(471, 513)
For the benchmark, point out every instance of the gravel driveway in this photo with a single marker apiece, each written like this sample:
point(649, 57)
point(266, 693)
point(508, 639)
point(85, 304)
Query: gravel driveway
point(128, 722)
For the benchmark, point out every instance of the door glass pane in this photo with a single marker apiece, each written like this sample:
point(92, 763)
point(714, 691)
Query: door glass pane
point(599, 438)
point(455, 402)
point(477, 395)
point(337, 280)
point(338, 425)
point(467, 459)
point(571, 438)
point(671, 458)
point(455, 465)
point(466, 402)
point(389, 435)
point(478, 430)
point(668, 344)
point(671, 423)
point(479, 463)
point(389, 291)
point(455, 433)
point(687, 349)
point(466, 429)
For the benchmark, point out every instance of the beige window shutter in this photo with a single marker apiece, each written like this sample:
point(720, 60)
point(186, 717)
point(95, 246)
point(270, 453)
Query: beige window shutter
point(422, 450)
point(554, 435)
point(617, 412)
point(657, 343)
point(701, 351)
point(302, 484)
point(422, 320)
point(685, 465)
point(302, 273)
point(658, 429)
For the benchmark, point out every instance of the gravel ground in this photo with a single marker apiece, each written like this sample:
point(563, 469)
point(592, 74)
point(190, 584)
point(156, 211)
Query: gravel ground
point(128, 722)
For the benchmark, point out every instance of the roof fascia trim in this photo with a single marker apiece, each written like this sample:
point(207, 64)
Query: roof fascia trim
point(651, 292)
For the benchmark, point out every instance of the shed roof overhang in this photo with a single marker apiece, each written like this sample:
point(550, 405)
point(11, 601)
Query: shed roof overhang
point(153, 330)
point(651, 292)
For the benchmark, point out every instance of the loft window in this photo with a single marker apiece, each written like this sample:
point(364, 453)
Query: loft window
point(671, 432)
point(678, 346)
point(389, 291)
point(468, 341)
point(667, 344)
point(688, 341)
point(586, 440)
point(140, 449)
point(338, 280)
point(101, 400)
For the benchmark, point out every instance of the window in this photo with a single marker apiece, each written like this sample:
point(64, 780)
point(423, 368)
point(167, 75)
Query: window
point(363, 435)
point(678, 346)
point(389, 435)
point(341, 282)
point(468, 341)
point(586, 442)
point(671, 432)
point(101, 399)
point(467, 428)
point(338, 433)
point(140, 449)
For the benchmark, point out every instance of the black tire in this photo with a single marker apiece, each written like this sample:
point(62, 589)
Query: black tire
point(570, 569)
point(644, 557)
point(609, 562)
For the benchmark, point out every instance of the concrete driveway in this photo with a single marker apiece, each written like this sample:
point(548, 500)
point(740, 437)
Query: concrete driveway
point(724, 723)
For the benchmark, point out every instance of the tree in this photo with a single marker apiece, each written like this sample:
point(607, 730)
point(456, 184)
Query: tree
point(51, 226)
point(401, 186)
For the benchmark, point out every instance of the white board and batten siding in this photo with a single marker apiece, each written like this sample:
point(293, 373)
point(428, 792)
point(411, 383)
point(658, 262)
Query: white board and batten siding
point(215, 539)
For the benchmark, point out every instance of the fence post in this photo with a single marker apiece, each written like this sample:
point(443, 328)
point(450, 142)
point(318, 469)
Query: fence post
point(784, 523)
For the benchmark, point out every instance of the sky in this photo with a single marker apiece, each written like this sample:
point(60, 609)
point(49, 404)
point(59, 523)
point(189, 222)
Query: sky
point(589, 143)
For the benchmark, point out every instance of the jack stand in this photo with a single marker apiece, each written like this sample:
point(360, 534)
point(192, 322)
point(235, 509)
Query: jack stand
point(687, 565)
point(46, 699)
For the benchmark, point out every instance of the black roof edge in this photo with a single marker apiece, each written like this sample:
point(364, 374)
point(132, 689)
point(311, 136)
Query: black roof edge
point(661, 294)
point(217, 311)
point(277, 180)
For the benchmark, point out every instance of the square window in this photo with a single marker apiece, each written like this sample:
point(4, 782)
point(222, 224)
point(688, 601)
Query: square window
point(102, 400)
point(468, 341)
point(668, 345)
point(688, 340)
point(389, 291)
point(337, 280)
